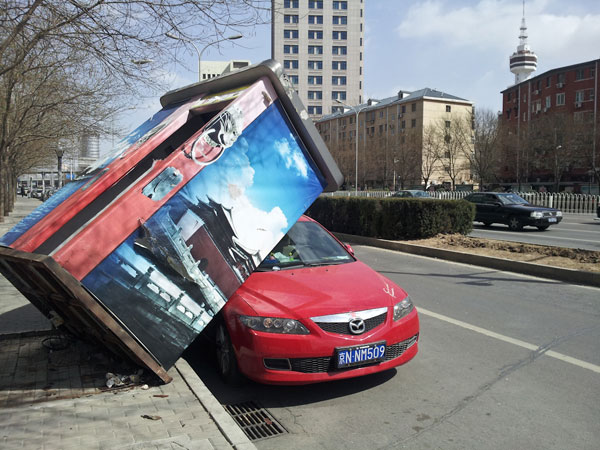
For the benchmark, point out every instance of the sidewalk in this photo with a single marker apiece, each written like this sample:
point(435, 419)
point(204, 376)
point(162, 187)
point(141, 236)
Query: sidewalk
point(53, 392)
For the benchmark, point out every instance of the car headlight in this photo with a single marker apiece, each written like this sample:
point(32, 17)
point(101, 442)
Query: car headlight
point(558, 213)
point(274, 325)
point(537, 214)
point(401, 309)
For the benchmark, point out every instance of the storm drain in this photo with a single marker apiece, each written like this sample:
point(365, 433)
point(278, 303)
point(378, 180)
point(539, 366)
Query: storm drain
point(255, 421)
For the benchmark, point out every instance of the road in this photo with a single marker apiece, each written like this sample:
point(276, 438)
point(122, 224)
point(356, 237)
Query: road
point(575, 231)
point(506, 361)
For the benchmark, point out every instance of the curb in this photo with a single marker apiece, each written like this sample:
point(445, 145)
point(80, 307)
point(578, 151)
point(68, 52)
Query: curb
point(232, 432)
point(507, 265)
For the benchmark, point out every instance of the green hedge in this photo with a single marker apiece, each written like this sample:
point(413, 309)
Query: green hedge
point(393, 218)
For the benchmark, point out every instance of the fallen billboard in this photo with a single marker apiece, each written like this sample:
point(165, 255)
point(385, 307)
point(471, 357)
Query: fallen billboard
point(147, 245)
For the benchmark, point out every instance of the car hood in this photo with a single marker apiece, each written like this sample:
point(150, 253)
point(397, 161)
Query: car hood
point(530, 207)
point(316, 291)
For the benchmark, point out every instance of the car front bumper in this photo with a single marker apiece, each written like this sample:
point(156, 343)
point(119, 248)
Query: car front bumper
point(303, 359)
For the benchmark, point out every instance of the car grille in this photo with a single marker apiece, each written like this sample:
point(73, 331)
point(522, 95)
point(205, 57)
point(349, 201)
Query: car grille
point(327, 363)
point(549, 213)
point(343, 328)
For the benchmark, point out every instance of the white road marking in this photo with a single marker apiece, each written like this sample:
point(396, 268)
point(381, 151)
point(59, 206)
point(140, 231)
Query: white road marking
point(507, 339)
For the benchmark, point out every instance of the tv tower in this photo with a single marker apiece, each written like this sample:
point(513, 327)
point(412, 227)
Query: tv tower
point(523, 61)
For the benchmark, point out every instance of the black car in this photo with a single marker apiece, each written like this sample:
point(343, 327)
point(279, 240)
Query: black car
point(412, 193)
point(512, 210)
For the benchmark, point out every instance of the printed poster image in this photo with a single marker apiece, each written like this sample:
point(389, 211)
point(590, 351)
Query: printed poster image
point(168, 279)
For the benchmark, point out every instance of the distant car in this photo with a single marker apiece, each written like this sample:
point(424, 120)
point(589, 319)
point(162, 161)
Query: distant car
point(414, 193)
point(512, 210)
point(597, 213)
point(312, 312)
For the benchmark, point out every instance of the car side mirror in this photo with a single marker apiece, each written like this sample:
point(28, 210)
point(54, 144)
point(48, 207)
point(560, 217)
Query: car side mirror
point(349, 248)
point(497, 204)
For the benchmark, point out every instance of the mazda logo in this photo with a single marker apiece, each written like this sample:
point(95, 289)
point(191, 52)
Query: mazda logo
point(356, 326)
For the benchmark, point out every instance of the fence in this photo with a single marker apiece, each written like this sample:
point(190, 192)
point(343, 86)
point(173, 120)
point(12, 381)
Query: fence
point(568, 203)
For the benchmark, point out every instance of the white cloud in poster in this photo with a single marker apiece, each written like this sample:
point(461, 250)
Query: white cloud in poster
point(292, 157)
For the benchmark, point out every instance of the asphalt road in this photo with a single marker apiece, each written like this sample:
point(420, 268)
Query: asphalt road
point(575, 231)
point(506, 361)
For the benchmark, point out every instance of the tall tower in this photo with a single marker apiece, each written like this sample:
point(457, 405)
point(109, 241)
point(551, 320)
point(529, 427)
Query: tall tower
point(523, 61)
point(320, 44)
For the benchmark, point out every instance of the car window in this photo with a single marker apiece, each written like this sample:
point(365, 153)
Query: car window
point(305, 244)
point(421, 194)
point(512, 199)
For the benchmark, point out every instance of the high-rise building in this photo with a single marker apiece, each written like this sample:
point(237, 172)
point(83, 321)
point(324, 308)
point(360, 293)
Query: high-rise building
point(211, 69)
point(321, 46)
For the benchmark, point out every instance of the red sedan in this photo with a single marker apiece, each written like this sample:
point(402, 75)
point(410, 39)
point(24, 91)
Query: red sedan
point(312, 312)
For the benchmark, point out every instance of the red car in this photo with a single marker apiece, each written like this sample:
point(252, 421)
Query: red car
point(312, 312)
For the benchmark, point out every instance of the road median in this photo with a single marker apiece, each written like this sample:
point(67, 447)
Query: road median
point(527, 268)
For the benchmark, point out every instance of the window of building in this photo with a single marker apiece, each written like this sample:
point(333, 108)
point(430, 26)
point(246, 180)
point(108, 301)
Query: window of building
point(591, 92)
point(579, 97)
point(560, 99)
point(290, 49)
point(381, 114)
point(290, 3)
point(338, 95)
point(290, 63)
point(315, 79)
point(315, 49)
point(339, 65)
point(548, 101)
point(592, 72)
point(315, 20)
point(315, 65)
point(335, 109)
point(413, 123)
point(315, 34)
point(339, 50)
point(290, 34)
point(293, 79)
point(315, 109)
point(315, 95)
point(447, 124)
point(338, 81)
point(560, 79)
point(448, 108)
point(340, 5)
point(413, 107)
point(339, 35)
point(315, 4)
point(508, 96)
point(340, 20)
point(290, 18)
point(403, 109)
point(548, 81)
point(579, 74)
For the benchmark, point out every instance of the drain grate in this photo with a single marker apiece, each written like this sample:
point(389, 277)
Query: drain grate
point(255, 421)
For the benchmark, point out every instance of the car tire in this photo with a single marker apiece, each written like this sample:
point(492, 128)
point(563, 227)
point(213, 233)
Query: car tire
point(226, 360)
point(514, 223)
point(543, 227)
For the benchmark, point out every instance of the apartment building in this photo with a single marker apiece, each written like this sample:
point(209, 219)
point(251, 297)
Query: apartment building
point(404, 141)
point(551, 124)
point(212, 69)
point(320, 44)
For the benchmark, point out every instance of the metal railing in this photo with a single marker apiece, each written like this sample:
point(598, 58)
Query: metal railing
point(566, 202)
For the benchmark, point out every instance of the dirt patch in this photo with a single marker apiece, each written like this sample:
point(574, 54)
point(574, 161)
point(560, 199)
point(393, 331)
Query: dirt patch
point(567, 258)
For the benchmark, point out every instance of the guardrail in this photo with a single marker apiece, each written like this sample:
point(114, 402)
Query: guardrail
point(566, 202)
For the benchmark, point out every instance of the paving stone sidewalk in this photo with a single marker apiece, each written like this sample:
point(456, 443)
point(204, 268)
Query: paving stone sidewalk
point(53, 392)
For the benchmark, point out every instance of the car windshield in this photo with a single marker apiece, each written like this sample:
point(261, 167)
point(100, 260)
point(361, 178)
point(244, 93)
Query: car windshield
point(421, 194)
point(512, 199)
point(305, 244)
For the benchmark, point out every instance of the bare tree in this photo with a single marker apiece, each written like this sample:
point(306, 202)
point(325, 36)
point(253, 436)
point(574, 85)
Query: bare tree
point(80, 63)
point(456, 140)
point(483, 160)
point(430, 155)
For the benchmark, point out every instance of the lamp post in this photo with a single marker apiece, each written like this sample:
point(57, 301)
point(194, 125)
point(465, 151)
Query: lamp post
point(356, 111)
point(199, 52)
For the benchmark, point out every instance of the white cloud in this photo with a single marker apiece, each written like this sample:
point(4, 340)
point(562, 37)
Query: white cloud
point(292, 157)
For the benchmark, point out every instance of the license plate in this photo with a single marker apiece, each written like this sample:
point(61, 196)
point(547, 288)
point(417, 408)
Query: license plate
point(359, 354)
point(552, 219)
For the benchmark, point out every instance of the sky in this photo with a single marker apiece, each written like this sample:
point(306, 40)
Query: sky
point(460, 47)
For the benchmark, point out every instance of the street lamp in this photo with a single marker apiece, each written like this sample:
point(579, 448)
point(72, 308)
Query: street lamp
point(199, 52)
point(356, 111)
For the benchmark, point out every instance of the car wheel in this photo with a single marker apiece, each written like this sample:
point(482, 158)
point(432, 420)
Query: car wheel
point(226, 361)
point(514, 223)
point(543, 227)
